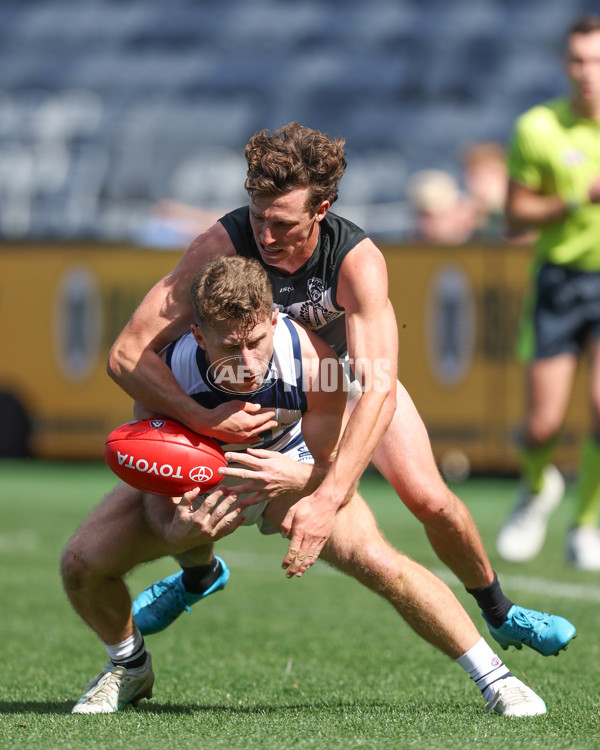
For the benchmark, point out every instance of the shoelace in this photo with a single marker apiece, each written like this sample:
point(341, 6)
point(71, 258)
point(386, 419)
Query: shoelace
point(164, 595)
point(95, 680)
point(104, 681)
point(506, 692)
point(527, 623)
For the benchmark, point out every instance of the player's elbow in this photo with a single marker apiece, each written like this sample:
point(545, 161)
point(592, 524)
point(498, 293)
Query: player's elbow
point(122, 358)
point(116, 362)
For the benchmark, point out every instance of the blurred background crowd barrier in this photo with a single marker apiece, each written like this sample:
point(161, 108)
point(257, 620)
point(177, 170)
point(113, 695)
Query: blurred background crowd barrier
point(62, 306)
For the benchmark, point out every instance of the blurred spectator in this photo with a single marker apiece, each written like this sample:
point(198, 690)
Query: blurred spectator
point(442, 214)
point(485, 176)
point(174, 225)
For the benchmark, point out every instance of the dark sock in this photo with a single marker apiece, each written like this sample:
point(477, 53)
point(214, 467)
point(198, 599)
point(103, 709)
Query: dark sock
point(201, 577)
point(492, 602)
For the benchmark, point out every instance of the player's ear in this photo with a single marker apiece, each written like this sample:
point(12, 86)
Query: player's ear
point(274, 318)
point(197, 333)
point(322, 210)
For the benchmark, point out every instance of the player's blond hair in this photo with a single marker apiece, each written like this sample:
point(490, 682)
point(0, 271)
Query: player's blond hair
point(293, 157)
point(233, 288)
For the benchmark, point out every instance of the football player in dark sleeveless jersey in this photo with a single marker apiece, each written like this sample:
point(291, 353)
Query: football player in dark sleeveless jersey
point(272, 360)
point(328, 273)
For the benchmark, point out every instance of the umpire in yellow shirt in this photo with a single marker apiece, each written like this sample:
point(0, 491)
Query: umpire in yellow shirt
point(554, 168)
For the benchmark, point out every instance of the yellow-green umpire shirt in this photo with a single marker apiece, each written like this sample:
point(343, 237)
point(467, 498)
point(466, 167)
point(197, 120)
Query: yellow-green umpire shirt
point(554, 151)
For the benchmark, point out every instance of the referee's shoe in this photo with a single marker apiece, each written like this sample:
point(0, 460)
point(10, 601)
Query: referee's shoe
point(522, 536)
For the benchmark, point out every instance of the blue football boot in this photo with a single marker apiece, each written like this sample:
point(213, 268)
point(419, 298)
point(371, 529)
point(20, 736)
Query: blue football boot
point(547, 634)
point(161, 603)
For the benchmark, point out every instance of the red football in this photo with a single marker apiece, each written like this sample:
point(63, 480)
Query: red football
point(163, 457)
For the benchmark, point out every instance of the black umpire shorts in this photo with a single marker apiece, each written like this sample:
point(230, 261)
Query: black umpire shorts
point(566, 311)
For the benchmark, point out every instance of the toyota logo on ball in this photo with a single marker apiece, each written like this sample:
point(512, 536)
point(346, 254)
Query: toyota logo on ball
point(201, 474)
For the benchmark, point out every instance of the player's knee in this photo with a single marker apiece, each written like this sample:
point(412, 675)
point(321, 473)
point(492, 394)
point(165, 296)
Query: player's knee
point(428, 504)
point(75, 568)
point(433, 507)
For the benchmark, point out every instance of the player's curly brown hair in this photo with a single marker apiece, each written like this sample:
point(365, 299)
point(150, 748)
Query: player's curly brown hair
point(231, 288)
point(293, 157)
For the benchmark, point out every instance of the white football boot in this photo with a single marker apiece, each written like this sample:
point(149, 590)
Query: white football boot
point(512, 698)
point(521, 537)
point(114, 688)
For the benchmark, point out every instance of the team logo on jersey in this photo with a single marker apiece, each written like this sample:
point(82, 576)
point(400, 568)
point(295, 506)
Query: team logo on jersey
point(314, 287)
point(313, 312)
point(234, 375)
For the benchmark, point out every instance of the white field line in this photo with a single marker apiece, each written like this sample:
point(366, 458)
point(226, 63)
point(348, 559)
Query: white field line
point(557, 589)
point(510, 583)
point(27, 541)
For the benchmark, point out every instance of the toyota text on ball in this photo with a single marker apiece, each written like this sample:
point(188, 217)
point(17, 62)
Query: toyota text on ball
point(197, 474)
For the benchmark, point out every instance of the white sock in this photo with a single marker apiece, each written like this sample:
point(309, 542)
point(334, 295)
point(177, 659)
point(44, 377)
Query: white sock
point(484, 667)
point(130, 653)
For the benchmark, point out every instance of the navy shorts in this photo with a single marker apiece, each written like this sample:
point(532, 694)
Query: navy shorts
point(566, 313)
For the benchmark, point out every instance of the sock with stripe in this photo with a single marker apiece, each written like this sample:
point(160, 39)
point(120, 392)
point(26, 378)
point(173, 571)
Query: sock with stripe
point(484, 667)
point(130, 653)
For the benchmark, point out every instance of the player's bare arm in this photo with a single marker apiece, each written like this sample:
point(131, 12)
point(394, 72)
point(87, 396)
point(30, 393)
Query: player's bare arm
point(309, 521)
point(372, 341)
point(165, 314)
point(372, 337)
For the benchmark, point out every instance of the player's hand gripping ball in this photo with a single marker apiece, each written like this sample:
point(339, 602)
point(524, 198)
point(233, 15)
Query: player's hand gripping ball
point(163, 457)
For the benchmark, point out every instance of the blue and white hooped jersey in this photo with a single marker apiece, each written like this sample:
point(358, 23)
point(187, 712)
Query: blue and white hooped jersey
point(281, 390)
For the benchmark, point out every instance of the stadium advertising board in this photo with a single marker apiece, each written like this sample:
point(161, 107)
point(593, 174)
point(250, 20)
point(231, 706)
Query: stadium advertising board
point(61, 308)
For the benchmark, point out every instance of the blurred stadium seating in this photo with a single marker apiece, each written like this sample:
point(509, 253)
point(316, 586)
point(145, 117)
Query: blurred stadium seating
point(107, 107)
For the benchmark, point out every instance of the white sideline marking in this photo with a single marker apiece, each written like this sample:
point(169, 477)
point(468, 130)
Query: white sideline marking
point(557, 589)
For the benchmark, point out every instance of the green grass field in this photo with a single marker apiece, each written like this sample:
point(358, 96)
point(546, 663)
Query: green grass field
point(271, 663)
